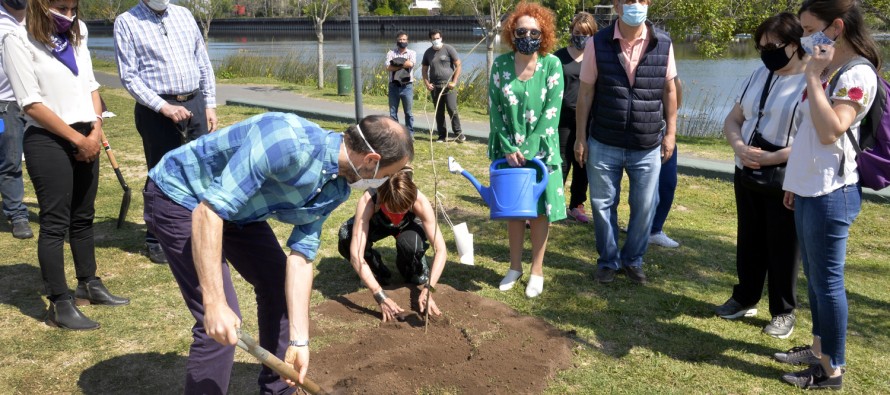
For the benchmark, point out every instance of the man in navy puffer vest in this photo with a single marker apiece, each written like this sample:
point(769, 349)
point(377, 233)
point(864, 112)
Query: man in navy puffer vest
point(627, 85)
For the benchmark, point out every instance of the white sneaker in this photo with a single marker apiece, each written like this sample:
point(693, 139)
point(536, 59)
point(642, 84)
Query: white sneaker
point(535, 286)
point(509, 280)
point(663, 240)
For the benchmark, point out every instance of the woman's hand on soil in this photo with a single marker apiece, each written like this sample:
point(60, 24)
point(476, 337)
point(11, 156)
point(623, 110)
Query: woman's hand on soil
point(390, 310)
point(434, 310)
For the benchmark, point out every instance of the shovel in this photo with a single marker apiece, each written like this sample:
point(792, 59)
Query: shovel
point(125, 202)
point(246, 343)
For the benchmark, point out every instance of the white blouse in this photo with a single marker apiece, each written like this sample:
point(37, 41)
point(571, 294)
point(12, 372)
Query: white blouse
point(814, 168)
point(37, 76)
point(780, 118)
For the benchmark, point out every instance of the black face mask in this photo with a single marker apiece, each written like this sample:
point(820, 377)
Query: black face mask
point(579, 42)
point(775, 59)
point(527, 45)
point(402, 44)
point(16, 4)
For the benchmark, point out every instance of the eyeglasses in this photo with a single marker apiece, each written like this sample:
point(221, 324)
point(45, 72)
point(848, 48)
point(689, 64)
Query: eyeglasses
point(522, 32)
point(163, 28)
point(770, 47)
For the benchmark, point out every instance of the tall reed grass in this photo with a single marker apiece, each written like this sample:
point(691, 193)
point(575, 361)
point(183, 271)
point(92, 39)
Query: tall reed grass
point(302, 70)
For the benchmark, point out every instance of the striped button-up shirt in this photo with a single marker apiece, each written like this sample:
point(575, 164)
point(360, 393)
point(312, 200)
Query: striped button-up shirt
point(162, 54)
point(271, 165)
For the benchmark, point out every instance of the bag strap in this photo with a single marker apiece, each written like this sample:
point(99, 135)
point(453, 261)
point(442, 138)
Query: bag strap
point(767, 86)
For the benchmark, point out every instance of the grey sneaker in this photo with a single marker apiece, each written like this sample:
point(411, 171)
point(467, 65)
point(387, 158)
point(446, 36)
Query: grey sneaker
point(155, 253)
point(780, 326)
point(800, 355)
point(732, 310)
point(814, 377)
point(604, 275)
point(460, 138)
point(21, 229)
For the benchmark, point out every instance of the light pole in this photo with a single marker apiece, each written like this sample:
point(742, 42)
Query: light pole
point(356, 69)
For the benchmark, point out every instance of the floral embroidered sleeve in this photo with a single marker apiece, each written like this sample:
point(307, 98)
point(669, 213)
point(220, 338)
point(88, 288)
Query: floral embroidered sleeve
point(551, 96)
point(858, 85)
point(499, 142)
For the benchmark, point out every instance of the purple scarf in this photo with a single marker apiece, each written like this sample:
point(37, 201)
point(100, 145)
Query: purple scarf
point(64, 52)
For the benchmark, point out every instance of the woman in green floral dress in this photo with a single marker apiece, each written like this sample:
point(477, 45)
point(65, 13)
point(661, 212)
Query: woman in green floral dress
point(525, 95)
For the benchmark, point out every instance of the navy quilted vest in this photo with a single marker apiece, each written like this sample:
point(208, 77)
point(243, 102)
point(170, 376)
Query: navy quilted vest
point(627, 116)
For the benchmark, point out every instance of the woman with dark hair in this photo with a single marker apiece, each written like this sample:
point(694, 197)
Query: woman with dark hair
point(822, 182)
point(525, 94)
point(766, 244)
point(52, 77)
point(582, 28)
point(396, 209)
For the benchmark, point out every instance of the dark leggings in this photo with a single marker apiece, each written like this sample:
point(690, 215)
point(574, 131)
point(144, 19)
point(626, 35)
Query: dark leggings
point(578, 189)
point(66, 193)
point(667, 185)
point(411, 245)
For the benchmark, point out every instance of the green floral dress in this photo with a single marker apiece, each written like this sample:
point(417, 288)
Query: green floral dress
point(525, 118)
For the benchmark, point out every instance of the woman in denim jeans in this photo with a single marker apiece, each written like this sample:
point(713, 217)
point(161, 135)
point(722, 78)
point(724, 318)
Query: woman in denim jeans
point(821, 181)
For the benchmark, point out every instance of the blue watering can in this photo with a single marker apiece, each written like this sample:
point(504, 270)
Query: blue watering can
point(513, 194)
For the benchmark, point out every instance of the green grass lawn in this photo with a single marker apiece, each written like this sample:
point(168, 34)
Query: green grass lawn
point(659, 338)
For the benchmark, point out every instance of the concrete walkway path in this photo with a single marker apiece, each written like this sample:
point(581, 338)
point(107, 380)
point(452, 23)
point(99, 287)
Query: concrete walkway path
point(275, 99)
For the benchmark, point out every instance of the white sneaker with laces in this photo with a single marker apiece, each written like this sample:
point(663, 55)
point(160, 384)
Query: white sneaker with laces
point(535, 286)
point(663, 240)
point(510, 280)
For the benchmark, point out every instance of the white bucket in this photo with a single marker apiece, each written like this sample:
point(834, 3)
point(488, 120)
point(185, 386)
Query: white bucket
point(464, 240)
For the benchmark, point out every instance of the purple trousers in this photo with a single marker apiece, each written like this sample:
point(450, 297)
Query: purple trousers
point(255, 253)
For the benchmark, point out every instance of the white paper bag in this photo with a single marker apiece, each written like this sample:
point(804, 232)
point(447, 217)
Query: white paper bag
point(464, 240)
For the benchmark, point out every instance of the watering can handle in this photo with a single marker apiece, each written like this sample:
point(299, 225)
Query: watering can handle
point(539, 187)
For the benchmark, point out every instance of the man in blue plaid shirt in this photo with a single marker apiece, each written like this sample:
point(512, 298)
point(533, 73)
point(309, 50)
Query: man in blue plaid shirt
point(208, 201)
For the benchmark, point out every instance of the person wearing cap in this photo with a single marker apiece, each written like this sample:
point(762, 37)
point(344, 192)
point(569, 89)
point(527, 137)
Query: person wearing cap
point(163, 63)
point(208, 201)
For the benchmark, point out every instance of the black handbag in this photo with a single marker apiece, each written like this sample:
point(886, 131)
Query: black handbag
point(766, 179)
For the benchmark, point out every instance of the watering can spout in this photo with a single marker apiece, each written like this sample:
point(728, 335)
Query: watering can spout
point(456, 168)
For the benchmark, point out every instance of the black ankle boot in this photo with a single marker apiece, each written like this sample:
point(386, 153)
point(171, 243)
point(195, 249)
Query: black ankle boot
point(94, 292)
point(64, 314)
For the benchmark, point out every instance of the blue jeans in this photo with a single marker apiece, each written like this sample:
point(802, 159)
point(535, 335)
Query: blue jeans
point(605, 167)
point(12, 189)
point(823, 225)
point(667, 185)
point(406, 95)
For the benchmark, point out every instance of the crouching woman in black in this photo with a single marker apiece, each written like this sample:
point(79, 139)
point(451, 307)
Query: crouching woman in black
point(399, 210)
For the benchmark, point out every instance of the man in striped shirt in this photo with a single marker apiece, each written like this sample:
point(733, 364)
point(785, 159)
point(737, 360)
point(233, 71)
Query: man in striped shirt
point(163, 63)
point(208, 201)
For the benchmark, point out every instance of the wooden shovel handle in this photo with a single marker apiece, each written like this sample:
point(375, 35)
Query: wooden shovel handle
point(248, 344)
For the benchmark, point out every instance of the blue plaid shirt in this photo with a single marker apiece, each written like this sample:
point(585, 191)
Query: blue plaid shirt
point(162, 55)
point(271, 165)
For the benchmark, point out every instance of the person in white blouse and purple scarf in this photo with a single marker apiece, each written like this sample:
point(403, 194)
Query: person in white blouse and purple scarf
point(52, 76)
point(163, 63)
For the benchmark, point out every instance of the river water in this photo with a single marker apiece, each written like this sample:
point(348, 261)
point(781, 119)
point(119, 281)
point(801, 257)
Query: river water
point(710, 85)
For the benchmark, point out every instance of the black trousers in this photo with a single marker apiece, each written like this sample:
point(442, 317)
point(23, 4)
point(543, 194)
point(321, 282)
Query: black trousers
point(411, 245)
point(66, 193)
point(766, 250)
point(161, 135)
point(449, 102)
point(578, 189)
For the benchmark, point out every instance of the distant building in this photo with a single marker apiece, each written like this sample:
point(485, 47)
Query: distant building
point(432, 6)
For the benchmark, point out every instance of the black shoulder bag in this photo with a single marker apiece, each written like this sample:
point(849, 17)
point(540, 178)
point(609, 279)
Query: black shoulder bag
point(766, 179)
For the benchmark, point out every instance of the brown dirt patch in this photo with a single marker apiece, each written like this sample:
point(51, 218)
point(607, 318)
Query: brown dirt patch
point(477, 346)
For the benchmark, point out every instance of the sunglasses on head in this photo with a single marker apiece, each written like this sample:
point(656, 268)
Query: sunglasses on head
point(771, 47)
point(522, 32)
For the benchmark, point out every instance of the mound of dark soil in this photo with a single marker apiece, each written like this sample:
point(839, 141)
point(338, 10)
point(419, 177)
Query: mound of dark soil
point(478, 346)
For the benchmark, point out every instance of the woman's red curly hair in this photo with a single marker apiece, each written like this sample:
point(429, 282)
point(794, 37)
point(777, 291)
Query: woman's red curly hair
point(546, 23)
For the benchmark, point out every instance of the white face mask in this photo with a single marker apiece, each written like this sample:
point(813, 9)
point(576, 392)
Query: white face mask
point(365, 183)
point(437, 43)
point(810, 42)
point(158, 5)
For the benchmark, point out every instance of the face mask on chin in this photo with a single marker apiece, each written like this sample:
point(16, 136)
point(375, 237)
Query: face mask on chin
point(365, 183)
point(158, 5)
